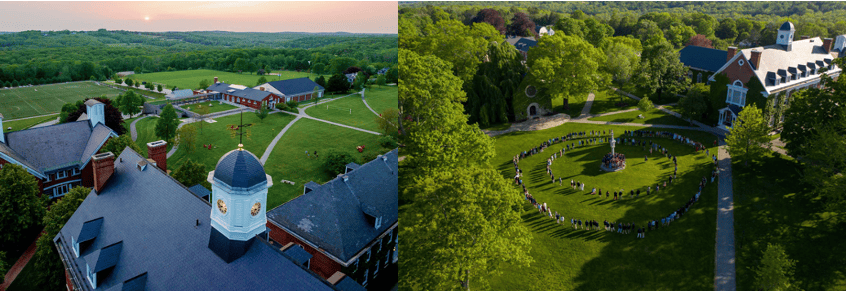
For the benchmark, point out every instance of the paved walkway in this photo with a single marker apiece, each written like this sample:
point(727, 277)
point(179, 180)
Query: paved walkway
point(724, 266)
point(132, 131)
point(48, 123)
point(533, 125)
point(270, 147)
point(20, 264)
point(368, 107)
point(588, 105)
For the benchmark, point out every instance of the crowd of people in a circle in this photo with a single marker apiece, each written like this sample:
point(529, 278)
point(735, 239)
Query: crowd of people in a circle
point(619, 227)
point(614, 161)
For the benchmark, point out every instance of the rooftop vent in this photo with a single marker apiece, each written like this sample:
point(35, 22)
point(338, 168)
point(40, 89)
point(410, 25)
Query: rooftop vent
point(142, 164)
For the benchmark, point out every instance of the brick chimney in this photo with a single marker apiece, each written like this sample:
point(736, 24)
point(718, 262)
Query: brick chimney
point(755, 59)
point(730, 53)
point(827, 44)
point(157, 151)
point(215, 80)
point(104, 167)
point(261, 88)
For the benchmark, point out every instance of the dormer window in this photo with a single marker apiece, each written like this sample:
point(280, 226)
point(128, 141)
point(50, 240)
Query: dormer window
point(92, 277)
point(378, 222)
point(75, 246)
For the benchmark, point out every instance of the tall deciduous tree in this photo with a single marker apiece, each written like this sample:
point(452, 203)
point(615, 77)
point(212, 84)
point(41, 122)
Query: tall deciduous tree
point(387, 121)
point(727, 30)
point(520, 24)
point(494, 85)
point(492, 17)
point(191, 173)
point(567, 66)
point(645, 105)
point(622, 62)
point(749, 134)
point(186, 137)
point(463, 46)
point(129, 103)
point(695, 103)
point(700, 40)
point(661, 71)
point(811, 109)
point(338, 83)
point(116, 145)
point(167, 124)
point(19, 196)
point(205, 83)
point(261, 80)
point(46, 259)
point(776, 269)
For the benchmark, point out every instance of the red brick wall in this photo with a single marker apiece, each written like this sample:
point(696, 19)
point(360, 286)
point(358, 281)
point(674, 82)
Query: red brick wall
point(68, 281)
point(737, 72)
point(320, 263)
point(88, 175)
point(158, 154)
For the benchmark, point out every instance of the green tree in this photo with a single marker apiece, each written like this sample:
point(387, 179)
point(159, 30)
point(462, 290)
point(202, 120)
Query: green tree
point(463, 46)
point(387, 121)
point(336, 161)
point(338, 83)
point(129, 82)
point(4, 267)
point(20, 194)
point(645, 104)
point(262, 112)
point(240, 65)
point(661, 71)
point(261, 80)
point(622, 63)
point(159, 88)
point(380, 80)
point(129, 103)
point(118, 81)
point(46, 259)
point(167, 124)
point(823, 164)
point(694, 104)
point(566, 66)
point(748, 135)
point(186, 137)
point(727, 30)
point(812, 109)
point(116, 145)
point(321, 81)
point(315, 94)
point(776, 269)
point(191, 173)
point(205, 83)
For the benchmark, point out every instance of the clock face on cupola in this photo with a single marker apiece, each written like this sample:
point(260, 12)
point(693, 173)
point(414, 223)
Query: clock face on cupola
point(239, 190)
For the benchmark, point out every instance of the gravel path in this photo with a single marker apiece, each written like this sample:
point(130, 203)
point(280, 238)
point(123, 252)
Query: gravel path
point(724, 266)
point(588, 105)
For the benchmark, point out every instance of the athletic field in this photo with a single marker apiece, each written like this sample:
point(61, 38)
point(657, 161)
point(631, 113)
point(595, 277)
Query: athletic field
point(190, 79)
point(47, 99)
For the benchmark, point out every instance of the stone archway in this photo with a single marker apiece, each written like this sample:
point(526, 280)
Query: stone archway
point(532, 110)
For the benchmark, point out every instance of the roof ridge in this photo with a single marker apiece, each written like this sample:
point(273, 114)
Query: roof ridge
point(166, 175)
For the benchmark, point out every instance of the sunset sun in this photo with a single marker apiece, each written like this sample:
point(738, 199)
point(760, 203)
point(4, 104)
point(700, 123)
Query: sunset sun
point(146, 18)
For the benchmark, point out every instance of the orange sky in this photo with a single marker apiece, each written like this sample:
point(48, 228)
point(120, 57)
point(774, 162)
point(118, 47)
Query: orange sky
point(346, 16)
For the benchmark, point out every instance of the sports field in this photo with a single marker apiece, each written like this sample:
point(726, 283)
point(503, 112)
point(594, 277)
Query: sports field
point(39, 100)
point(190, 79)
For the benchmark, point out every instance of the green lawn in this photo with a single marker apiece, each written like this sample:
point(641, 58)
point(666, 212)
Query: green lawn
point(214, 107)
point(772, 206)
point(190, 79)
point(339, 111)
point(127, 122)
point(382, 98)
point(605, 101)
point(39, 100)
point(497, 127)
point(222, 140)
point(575, 107)
point(655, 116)
point(146, 130)
point(26, 123)
point(288, 160)
point(678, 257)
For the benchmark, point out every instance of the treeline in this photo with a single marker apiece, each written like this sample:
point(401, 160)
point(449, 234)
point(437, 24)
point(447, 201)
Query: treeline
point(78, 62)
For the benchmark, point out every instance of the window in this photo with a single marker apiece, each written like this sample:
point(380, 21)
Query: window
point(699, 78)
point(92, 277)
point(75, 171)
point(740, 62)
point(736, 94)
point(378, 222)
point(364, 283)
point(61, 174)
point(376, 271)
point(355, 265)
point(75, 246)
point(61, 190)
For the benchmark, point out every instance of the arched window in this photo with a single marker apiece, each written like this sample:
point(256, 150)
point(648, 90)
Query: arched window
point(736, 93)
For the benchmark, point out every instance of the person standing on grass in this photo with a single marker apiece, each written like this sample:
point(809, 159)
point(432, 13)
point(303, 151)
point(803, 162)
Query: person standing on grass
point(637, 194)
point(315, 154)
point(307, 155)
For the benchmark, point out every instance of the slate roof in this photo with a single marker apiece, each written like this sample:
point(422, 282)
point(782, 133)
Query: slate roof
point(787, 25)
point(240, 169)
point(332, 216)
point(703, 58)
point(298, 254)
point(154, 217)
point(181, 93)
point(348, 284)
point(58, 146)
point(200, 191)
point(523, 44)
point(248, 93)
point(11, 153)
point(294, 86)
point(90, 230)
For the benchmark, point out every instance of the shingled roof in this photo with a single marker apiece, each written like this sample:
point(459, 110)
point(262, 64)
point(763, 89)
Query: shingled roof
point(58, 146)
point(293, 86)
point(154, 217)
point(703, 58)
point(334, 216)
point(245, 92)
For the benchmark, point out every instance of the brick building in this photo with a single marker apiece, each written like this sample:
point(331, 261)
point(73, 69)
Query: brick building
point(59, 156)
point(298, 89)
point(243, 95)
point(348, 225)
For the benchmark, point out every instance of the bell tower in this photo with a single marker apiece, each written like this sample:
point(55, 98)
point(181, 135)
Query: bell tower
point(785, 36)
point(239, 202)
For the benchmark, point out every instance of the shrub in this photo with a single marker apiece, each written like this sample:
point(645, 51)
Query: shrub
point(336, 161)
point(282, 106)
point(388, 141)
point(292, 104)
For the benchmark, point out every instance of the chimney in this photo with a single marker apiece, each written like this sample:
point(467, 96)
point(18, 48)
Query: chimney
point(827, 44)
point(104, 167)
point(755, 59)
point(157, 151)
point(2, 136)
point(730, 53)
point(215, 80)
point(261, 88)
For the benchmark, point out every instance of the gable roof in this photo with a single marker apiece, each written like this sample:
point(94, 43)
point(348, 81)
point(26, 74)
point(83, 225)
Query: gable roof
point(333, 215)
point(59, 146)
point(181, 93)
point(239, 91)
point(295, 86)
point(523, 44)
point(703, 58)
point(154, 217)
